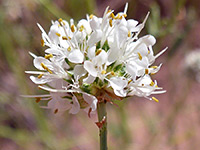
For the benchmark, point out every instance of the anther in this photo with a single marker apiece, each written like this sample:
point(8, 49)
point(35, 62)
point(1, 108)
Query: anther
point(129, 33)
point(98, 52)
point(146, 71)
point(64, 38)
point(58, 34)
point(40, 76)
point(60, 20)
point(42, 42)
point(91, 16)
point(113, 73)
point(43, 66)
point(72, 28)
point(103, 72)
point(110, 23)
point(38, 99)
point(112, 15)
point(81, 28)
point(152, 83)
point(55, 111)
point(155, 99)
point(69, 49)
point(140, 56)
point(48, 56)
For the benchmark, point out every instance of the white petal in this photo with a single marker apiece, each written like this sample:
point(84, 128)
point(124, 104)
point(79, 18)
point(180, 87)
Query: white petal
point(149, 40)
point(95, 37)
point(38, 60)
point(75, 107)
point(89, 66)
point(132, 70)
point(91, 100)
point(89, 80)
point(117, 83)
point(91, 52)
point(76, 56)
point(79, 71)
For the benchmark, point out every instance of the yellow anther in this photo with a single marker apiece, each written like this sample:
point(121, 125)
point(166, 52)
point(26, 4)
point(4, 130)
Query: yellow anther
point(49, 71)
point(91, 16)
point(72, 28)
point(69, 49)
point(46, 68)
point(125, 15)
point(140, 56)
point(153, 73)
point(148, 51)
point(98, 52)
point(43, 66)
point(152, 83)
point(59, 25)
point(64, 38)
point(108, 11)
point(110, 23)
point(81, 28)
point(58, 34)
point(155, 99)
point(146, 71)
point(60, 20)
point(156, 86)
point(142, 84)
point(40, 76)
point(38, 99)
point(42, 42)
point(118, 16)
point(112, 15)
point(69, 38)
point(154, 67)
point(55, 111)
point(103, 72)
point(48, 56)
point(113, 73)
point(129, 33)
point(130, 81)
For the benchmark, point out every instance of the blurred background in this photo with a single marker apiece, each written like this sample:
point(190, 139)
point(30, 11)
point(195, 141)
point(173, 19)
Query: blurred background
point(137, 124)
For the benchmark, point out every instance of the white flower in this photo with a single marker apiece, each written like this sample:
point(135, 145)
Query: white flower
point(98, 55)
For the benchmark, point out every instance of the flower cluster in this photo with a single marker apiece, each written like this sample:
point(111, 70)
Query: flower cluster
point(98, 57)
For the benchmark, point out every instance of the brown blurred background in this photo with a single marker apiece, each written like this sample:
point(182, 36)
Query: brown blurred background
point(137, 124)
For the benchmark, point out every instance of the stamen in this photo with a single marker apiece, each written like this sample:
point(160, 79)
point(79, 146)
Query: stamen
point(60, 20)
point(55, 111)
point(110, 23)
point(69, 48)
point(152, 83)
point(64, 38)
point(112, 15)
point(81, 28)
point(48, 56)
point(125, 15)
point(103, 72)
point(140, 56)
point(38, 99)
point(40, 76)
point(72, 28)
point(42, 42)
point(108, 11)
point(113, 73)
point(58, 34)
point(130, 81)
point(148, 51)
point(146, 71)
point(91, 16)
point(129, 33)
point(155, 99)
point(49, 71)
point(43, 66)
point(98, 52)
point(154, 67)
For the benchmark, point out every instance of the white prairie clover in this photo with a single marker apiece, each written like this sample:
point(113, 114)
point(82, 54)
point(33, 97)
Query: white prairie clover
point(98, 57)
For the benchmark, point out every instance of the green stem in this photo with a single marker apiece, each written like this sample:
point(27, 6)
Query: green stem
point(102, 116)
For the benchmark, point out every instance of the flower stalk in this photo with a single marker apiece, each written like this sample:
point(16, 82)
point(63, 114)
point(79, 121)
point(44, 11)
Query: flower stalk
point(102, 124)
